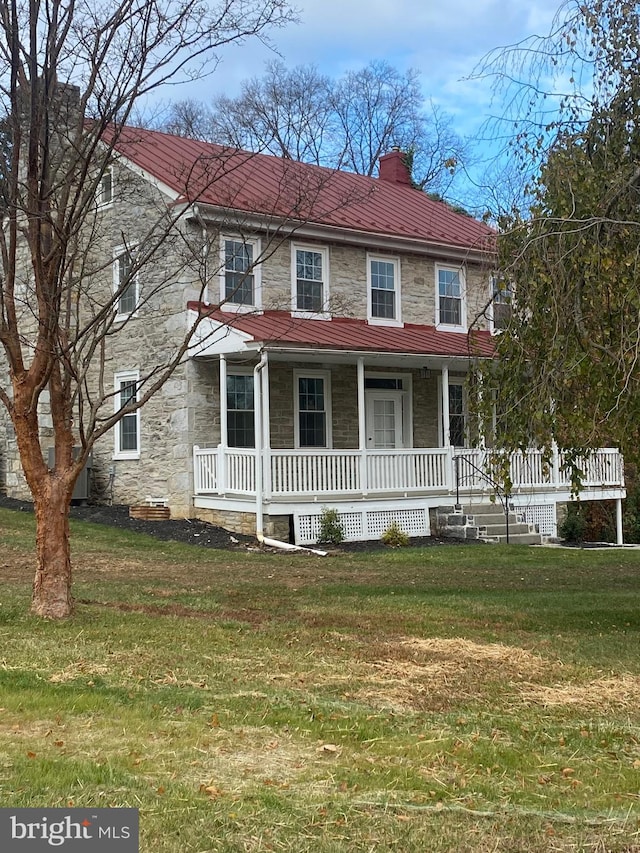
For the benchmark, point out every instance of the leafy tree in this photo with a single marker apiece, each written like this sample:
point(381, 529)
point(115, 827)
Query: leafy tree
point(58, 140)
point(569, 370)
point(348, 123)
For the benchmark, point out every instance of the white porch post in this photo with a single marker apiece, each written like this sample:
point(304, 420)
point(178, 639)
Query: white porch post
point(258, 430)
point(362, 428)
point(619, 534)
point(555, 466)
point(222, 447)
point(446, 427)
point(482, 436)
point(266, 427)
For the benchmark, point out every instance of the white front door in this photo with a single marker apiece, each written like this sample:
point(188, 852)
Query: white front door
point(384, 419)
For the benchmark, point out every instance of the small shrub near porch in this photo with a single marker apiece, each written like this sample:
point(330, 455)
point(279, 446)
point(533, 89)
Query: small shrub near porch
point(331, 528)
point(394, 536)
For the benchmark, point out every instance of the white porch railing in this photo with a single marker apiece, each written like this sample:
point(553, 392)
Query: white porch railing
point(604, 467)
point(296, 473)
point(309, 472)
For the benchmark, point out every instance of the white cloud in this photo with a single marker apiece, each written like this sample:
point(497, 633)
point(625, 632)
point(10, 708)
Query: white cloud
point(444, 41)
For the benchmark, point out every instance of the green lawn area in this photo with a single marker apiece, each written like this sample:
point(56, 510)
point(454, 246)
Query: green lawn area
point(439, 699)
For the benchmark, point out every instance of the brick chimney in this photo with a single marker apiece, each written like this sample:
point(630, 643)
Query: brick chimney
point(393, 169)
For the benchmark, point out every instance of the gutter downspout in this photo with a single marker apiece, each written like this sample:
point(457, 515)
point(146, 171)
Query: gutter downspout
point(258, 421)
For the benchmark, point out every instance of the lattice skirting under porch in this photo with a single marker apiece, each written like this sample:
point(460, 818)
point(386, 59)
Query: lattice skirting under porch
point(544, 515)
point(362, 524)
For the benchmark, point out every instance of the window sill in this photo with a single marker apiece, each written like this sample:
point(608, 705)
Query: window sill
point(310, 315)
point(442, 327)
point(232, 308)
point(121, 318)
point(383, 321)
point(126, 455)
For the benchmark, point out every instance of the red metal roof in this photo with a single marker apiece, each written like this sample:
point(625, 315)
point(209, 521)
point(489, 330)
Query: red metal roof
point(280, 329)
point(275, 187)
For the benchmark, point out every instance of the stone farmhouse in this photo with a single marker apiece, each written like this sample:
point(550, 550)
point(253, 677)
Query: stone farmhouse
point(328, 368)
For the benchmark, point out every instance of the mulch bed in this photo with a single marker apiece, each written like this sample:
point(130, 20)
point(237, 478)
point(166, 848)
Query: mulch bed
point(195, 532)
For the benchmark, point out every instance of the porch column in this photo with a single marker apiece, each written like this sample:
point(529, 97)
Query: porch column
point(258, 420)
point(482, 436)
point(266, 427)
point(446, 427)
point(619, 534)
point(555, 466)
point(222, 446)
point(362, 428)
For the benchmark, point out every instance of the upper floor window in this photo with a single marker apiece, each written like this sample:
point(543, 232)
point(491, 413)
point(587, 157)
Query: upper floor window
point(240, 276)
point(501, 301)
point(104, 193)
point(384, 289)
point(240, 410)
point(450, 298)
point(310, 280)
point(125, 282)
point(127, 429)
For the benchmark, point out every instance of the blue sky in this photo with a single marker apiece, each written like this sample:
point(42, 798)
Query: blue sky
point(443, 39)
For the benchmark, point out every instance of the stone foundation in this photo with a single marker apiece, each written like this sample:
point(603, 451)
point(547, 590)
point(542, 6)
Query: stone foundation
point(275, 526)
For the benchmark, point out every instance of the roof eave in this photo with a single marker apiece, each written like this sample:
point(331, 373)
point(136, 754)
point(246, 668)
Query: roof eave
point(296, 228)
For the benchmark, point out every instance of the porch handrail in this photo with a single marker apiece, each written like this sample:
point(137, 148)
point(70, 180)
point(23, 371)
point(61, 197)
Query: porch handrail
point(501, 490)
point(312, 472)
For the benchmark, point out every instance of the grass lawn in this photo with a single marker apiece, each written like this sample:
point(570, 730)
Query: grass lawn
point(443, 699)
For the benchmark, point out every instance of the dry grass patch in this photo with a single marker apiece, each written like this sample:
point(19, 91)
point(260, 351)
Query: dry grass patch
point(79, 669)
point(600, 694)
point(460, 654)
point(434, 673)
point(417, 674)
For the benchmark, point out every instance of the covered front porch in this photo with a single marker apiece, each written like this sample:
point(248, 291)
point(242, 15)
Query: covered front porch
point(387, 407)
point(371, 489)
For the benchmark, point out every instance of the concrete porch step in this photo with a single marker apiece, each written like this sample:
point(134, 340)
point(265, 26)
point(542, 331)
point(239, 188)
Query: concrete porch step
point(500, 528)
point(488, 508)
point(518, 539)
point(487, 522)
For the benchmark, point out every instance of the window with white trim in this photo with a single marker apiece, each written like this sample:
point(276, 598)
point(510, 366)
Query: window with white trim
point(450, 297)
point(240, 410)
point(127, 429)
point(384, 289)
point(310, 285)
point(240, 273)
point(501, 301)
point(313, 409)
point(104, 193)
point(125, 282)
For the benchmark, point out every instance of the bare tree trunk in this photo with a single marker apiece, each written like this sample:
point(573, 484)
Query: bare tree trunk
point(52, 597)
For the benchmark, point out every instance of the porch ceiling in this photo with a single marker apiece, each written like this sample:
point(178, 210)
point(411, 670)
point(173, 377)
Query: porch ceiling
point(338, 338)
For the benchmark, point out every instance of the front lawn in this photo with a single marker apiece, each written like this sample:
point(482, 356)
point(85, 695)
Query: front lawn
point(443, 699)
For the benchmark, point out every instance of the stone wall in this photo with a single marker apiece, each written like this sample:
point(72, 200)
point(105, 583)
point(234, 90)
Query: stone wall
point(348, 282)
point(275, 526)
